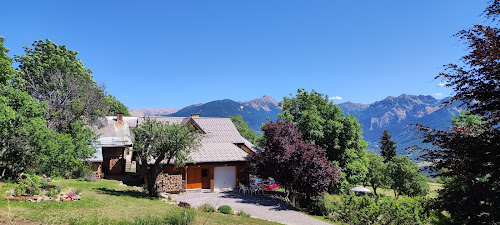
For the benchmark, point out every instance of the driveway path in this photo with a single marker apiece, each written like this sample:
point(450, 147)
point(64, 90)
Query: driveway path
point(259, 206)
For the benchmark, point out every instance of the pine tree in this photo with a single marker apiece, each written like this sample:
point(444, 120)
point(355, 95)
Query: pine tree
point(388, 148)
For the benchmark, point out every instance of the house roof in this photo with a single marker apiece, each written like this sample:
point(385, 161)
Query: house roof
point(219, 142)
point(219, 130)
point(97, 157)
point(117, 134)
point(218, 152)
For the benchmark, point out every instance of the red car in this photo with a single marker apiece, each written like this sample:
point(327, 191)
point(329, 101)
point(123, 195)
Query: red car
point(270, 185)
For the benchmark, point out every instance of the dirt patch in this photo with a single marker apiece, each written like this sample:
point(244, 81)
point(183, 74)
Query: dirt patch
point(17, 221)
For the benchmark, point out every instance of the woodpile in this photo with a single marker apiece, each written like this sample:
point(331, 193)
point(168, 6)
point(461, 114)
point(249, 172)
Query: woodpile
point(97, 169)
point(169, 183)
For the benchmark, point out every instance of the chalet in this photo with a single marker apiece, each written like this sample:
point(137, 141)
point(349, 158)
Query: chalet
point(220, 162)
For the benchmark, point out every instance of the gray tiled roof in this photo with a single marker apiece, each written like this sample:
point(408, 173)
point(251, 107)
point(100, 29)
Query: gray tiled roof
point(218, 152)
point(219, 130)
point(218, 143)
point(114, 133)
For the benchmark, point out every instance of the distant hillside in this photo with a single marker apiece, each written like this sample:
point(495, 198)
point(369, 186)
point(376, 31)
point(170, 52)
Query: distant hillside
point(396, 114)
point(254, 112)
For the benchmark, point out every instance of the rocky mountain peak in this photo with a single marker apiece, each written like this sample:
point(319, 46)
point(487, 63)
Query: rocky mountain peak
point(265, 103)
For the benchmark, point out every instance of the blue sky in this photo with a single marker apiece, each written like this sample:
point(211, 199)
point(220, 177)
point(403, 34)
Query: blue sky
point(177, 53)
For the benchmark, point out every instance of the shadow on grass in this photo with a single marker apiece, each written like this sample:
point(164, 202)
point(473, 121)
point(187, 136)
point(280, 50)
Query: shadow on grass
point(128, 193)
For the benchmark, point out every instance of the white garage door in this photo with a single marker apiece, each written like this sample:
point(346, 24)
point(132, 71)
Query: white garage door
point(224, 177)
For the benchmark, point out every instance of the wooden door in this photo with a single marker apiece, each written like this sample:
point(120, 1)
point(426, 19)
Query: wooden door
point(193, 178)
point(205, 178)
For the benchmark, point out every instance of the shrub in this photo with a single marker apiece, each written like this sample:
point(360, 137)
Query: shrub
point(31, 185)
point(207, 208)
point(243, 214)
point(183, 218)
point(380, 210)
point(225, 209)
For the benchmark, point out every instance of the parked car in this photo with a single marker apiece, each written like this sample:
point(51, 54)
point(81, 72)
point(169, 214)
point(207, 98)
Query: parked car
point(270, 185)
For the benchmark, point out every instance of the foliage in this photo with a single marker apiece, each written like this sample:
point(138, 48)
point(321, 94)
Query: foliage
point(475, 81)
point(53, 74)
point(225, 209)
point(243, 214)
point(6, 70)
point(324, 124)
point(466, 155)
point(387, 148)
point(380, 210)
point(116, 106)
point(465, 118)
point(405, 177)
point(32, 184)
point(244, 131)
point(376, 175)
point(156, 141)
point(25, 138)
point(300, 167)
point(207, 208)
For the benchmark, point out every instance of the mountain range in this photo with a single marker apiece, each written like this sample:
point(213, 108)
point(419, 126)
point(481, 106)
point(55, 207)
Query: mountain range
point(255, 112)
point(396, 114)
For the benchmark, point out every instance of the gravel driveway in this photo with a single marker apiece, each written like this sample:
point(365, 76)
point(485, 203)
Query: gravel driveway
point(259, 206)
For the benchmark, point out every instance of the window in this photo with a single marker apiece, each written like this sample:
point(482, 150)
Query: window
point(204, 173)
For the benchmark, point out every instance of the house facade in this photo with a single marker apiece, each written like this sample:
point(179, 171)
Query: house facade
point(113, 147)
point(219, 164)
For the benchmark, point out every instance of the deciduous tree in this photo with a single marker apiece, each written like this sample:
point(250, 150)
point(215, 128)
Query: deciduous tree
point(53, 74)
point(406, 178)
point(159, 144)
point(467, 154)
point(25, 138)
point(376, 176)
point(299, 166)
point(324, 124)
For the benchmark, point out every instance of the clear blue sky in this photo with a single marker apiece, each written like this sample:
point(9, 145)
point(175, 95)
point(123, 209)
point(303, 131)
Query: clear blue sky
point(177, 53)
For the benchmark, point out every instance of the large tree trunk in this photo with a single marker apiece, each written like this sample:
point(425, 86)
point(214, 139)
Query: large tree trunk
point(150, 173)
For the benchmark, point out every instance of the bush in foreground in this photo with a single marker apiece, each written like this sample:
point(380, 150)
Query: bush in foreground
point(225, 209)
point(380, 210)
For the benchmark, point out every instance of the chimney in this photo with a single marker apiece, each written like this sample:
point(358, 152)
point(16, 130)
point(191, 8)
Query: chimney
point(119, 117)
point(195, 115)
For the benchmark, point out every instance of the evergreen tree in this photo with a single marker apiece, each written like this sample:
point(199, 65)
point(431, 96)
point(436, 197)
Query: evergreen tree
point(388, 147)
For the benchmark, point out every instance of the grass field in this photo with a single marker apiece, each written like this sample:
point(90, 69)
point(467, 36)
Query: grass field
point(103, 202)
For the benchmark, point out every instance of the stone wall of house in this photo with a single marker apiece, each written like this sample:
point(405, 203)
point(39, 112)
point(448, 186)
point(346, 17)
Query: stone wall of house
point(169, 183)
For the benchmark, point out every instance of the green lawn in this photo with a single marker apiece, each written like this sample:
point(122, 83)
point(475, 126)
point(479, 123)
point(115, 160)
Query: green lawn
point(103, 202)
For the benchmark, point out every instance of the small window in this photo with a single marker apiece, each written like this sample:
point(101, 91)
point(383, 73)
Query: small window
point(204, 173)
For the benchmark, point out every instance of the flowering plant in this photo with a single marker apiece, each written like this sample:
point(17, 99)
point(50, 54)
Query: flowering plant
point(31, 169)
point(32, 184)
